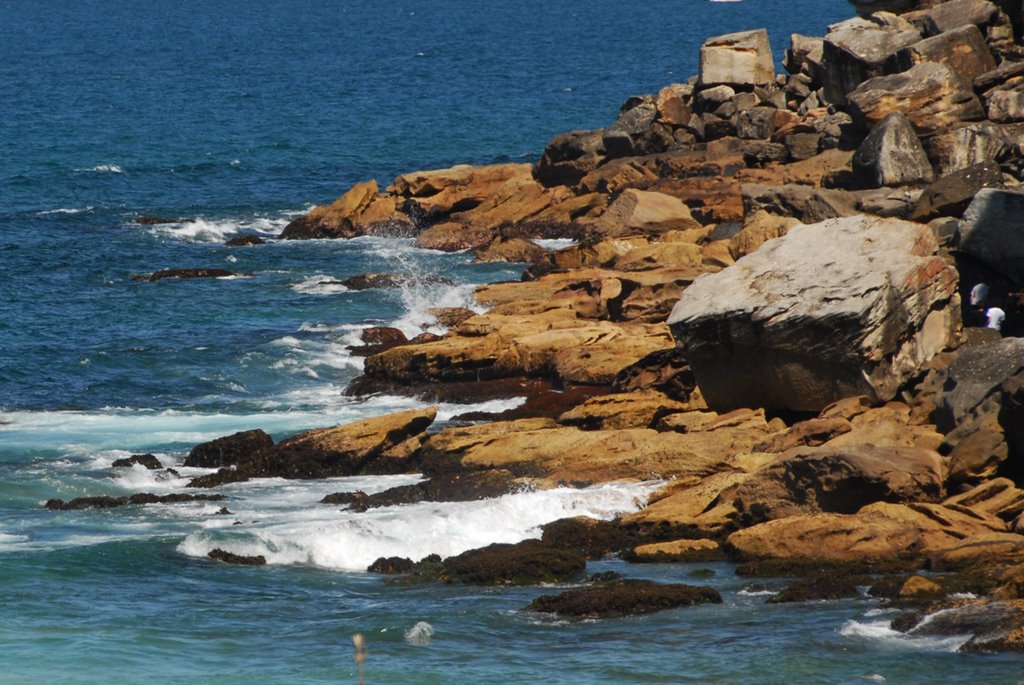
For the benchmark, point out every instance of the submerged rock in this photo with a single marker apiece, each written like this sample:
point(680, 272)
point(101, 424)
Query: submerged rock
point(226, 557)
point(108, 502)
point(624, 598)
point(185, 273)
point(147, 460)
point(525, 563)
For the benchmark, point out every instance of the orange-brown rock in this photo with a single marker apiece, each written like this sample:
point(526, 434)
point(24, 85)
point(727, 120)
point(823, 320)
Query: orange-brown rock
point(643, 212)
point(640, 409)
point(878, 531)
point(758, 228)
point(511, 250)
point(451, 236)
point(348, 449)
point(360, 211)
point(440, 192)
point(678, 550)
point(549, 454)
point(999, 497)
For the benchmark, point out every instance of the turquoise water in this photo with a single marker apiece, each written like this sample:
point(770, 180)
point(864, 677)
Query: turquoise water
point(232, 118)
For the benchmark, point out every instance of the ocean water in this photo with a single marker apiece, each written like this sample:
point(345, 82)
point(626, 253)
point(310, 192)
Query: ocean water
point(232, 118)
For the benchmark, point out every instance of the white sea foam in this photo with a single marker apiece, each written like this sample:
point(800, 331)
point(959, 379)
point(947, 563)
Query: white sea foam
point(319, 284)
point(420, 634)
point(756, 593)
point(881, 634)
point(329, 538)
point(201, 230)
point(552, 244)
point(66, 210)
point(104, 169)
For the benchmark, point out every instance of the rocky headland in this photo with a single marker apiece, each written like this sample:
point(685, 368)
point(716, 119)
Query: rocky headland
point(767, 306)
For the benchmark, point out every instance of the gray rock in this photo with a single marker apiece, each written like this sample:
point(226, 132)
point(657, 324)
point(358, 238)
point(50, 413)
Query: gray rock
point(802, 145)
point(855, 51)
point(737, 59)
point(951, 195)
point(962, 49)
point(710, 99)
point(569, 157)
point(845, 307)
point(1006, 106)
point(971, 144)
point(757, 123)
point(953, 14)
point(866, 8)
point(931, 96)
point(826, 203)
point(975, 375)
point(633, 133)
point(804, 57)
point(785, 200)
point(992, 231)
point(891, 155)
point(890, 202)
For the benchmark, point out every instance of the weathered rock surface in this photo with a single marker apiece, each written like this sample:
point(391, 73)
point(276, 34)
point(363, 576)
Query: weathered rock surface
point(878, 531)
point(840, 480)
point(360, 211)
point(991, 231)
point(232, 449)
point(952, 194)
point(855, 51)
point(993, 625)
point(624, 598)
point(930, 94)
point(737, 59)
point(962, 49)
point(891, 155)
point(845, 307)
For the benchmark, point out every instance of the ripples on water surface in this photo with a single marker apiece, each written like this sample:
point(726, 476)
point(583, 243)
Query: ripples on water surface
point(233, 118)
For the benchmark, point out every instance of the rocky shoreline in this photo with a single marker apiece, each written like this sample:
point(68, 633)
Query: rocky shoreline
point(767, 306)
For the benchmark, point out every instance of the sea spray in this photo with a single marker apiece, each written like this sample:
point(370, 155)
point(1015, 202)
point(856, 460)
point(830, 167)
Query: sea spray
point(349, 541)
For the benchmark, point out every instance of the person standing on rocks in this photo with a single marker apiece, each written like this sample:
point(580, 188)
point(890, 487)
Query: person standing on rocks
point(979, 303)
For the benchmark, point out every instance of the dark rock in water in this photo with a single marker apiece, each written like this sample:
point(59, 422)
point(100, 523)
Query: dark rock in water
point(347, 498)
point(240, 559)
point(594, 539)
point(391, 565)
point(377, 280)
point(221, 477)
point(245, 241)
point(233, 449)
point(223, 511)
point(185, 273)
point(526, 563)
point(821, 587)
point(147, 460)
point(465, 487)
point(624, 598)
point(108, 502)
point(994, 626)
point(149, 220)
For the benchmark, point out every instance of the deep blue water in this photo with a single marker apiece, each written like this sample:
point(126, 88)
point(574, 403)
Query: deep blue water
point(234, 117)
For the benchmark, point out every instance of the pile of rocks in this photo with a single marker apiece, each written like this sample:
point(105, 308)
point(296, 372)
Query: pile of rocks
point(763, 305)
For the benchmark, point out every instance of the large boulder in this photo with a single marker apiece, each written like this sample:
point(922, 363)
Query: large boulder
point(230, 450)
point(930, 94)
point(855, 51)
point(849, 306)
point(839, 480)
point(952, 194)
point(991, 231)
point(568, 157)
point(891, 155)
point(963, 50)
point(737, 59)
point(971, 144)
